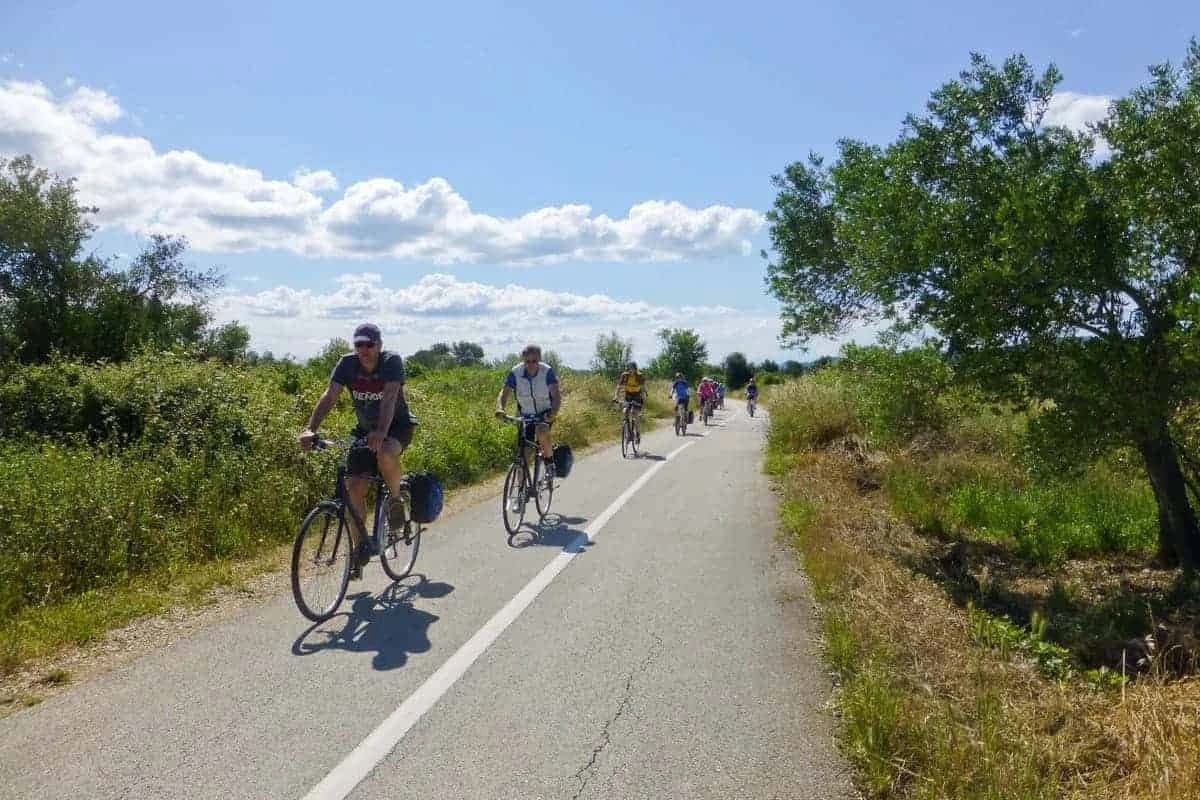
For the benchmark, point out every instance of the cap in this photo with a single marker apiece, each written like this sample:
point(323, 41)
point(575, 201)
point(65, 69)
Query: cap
point(367, 332)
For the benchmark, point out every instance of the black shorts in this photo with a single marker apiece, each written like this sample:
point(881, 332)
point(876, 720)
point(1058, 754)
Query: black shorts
point(634, 400)
point(681, 401)
point(361, 461)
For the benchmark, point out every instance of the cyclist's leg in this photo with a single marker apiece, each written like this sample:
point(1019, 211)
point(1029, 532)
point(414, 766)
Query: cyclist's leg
point(544, 441)
point(356, 488)
point(399, 438)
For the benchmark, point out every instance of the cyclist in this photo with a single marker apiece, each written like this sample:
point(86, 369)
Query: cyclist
point(538, 396)
point(679, 393)
point(634, 385)
point(707, 391)
point(752, 392)
point(375, 378)
point(720, 395)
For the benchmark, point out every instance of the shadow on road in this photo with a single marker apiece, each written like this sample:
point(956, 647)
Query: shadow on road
point(644, 456)
point(554, 531)
point(387, 624)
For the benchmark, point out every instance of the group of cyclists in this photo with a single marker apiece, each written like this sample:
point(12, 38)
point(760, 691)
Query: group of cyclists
point(385, 425)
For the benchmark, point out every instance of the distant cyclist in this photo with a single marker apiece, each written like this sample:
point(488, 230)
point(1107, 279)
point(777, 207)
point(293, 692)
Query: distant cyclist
point(538, 397)
point(679, 392)
point(720, 395)
point(751, 395)
point(375, 378)
point(632, 384)
point(708, 392)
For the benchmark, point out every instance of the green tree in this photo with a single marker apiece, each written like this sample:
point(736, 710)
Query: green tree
point(612, 354)
point(793, 369)
point(767, 365)
point(44, 277)
point(230, 343)
point(1050, 273)
point(682, 352)
point(467, 354)
point(737, 370)
point(52, 297)
point(324, 361)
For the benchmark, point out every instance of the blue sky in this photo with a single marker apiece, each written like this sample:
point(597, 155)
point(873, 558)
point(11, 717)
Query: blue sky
point(516, 110)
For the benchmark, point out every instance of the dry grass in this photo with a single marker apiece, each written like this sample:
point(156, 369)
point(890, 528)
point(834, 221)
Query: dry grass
point(929, 712)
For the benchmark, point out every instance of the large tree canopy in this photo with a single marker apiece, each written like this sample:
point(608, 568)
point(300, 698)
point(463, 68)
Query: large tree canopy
point(1051, 271)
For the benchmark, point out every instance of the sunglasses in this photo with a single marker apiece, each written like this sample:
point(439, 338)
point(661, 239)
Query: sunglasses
point(367, 345)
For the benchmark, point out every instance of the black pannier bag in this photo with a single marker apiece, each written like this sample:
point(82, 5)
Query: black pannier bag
point(427, 497)
point(564, 459)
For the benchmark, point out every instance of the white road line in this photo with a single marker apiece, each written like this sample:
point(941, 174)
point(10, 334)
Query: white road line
point(373, 749)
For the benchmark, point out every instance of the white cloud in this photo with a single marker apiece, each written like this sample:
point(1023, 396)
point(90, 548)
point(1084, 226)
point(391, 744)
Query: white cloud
point(1077, 32)
point(321, 180)
point(1076, 111)
point(441, 307)
point(225, 207)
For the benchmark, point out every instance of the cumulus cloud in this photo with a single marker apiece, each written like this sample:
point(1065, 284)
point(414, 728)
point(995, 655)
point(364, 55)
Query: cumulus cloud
point(225, 207)
point(440, 307)
point(321, 180)
point(1076, 112)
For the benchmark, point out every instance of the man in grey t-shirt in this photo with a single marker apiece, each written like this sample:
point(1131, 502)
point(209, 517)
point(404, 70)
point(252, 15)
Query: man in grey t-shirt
point(375, 378)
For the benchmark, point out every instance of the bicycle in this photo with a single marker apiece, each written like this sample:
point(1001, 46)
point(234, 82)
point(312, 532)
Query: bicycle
point(705, 410)
point(631, 429)
point(680, 419)
point(751, 404)
point(519, 484)
point(321, 554)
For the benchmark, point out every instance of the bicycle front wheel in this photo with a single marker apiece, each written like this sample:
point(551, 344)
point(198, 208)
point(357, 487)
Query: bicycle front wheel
point(321, 562)
point(397, 549)
point(626, 438)
point(516, 494)
point(543, 485)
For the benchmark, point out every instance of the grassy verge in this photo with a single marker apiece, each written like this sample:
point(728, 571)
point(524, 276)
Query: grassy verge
point(65, 497)
point(973, 643)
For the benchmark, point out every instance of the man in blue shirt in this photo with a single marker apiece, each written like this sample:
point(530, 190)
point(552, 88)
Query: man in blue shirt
point(679, 391)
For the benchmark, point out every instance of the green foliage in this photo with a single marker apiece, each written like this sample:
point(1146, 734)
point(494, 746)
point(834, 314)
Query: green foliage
point(683, 351)
point(55, 298)
point(767, 365)
point(737, 370)
point(612, 354)
point(1051, 274)
point(807, 415)
point(899, 393)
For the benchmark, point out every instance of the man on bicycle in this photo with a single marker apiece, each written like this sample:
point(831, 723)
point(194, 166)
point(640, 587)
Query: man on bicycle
point(679, 392)
point(706, 392)
point(375, 378)
point(752, 391)
point(538, 397)
point(720, 395)
point(634, 385)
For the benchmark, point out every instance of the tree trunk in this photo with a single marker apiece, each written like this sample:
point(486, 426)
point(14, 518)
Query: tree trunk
point(1178, 532)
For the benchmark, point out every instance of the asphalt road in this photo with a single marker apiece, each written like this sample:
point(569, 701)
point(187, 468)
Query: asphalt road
point(669, 655)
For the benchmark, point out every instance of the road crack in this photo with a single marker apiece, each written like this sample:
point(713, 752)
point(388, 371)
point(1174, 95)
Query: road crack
point(587, 771)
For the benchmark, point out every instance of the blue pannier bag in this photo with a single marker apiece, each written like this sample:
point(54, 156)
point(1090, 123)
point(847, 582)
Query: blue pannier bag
point(427, 496)
point(564, 459)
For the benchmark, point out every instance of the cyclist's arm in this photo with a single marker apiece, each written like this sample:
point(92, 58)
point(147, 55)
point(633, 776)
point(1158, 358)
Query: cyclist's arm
point(324, 406)
point(502, 399)
point(555, 399)
point(392, 392)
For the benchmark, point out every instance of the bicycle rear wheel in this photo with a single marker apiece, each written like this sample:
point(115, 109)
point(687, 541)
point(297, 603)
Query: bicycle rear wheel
point(543, 487)
point(321, 562)
point(516, 495)
point(397, 549)
point(626, 438)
